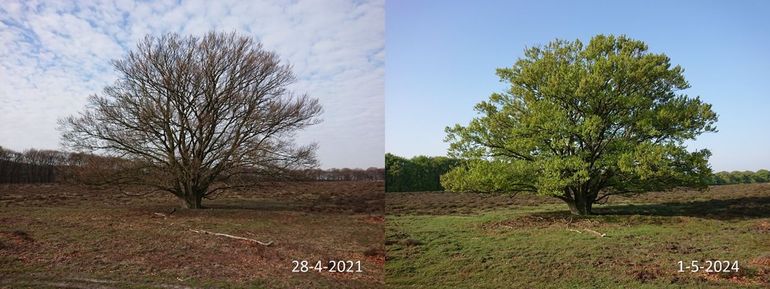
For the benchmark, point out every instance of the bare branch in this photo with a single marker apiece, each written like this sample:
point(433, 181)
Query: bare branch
point(190, 112)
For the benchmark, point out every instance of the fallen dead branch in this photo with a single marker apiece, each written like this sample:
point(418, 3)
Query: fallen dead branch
point(595, 232)
point(165, 215)
point(588, 230)
point(233, 237)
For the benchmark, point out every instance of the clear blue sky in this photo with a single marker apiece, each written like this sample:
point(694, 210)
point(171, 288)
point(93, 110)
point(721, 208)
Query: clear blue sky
point(441, 58)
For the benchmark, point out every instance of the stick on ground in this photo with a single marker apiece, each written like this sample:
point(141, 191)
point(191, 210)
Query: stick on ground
point(234, 237)
point(595, 232)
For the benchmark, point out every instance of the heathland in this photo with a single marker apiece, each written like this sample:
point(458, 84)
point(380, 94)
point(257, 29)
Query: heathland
point(75, 236)
point(469, 240)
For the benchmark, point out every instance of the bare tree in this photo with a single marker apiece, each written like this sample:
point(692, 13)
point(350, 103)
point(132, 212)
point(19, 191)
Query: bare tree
point(196, 115)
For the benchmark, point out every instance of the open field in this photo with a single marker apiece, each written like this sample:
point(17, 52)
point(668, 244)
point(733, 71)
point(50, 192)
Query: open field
point(453, 240)
point(84, 237)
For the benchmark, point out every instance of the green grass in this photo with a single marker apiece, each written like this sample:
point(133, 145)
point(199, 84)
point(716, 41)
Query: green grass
point(534, 246)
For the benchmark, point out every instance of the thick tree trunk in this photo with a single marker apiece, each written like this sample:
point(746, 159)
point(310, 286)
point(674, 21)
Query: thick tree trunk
point(192, 201)
point(580, 205)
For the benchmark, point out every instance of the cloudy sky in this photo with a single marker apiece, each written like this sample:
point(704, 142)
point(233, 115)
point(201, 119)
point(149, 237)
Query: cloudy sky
point(54, 54)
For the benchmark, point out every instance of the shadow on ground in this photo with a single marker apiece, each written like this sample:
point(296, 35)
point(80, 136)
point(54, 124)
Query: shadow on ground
point(722, 209)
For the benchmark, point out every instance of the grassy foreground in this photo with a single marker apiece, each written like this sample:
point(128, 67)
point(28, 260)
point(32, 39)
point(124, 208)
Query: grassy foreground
point(59, 236)
point(453, 240)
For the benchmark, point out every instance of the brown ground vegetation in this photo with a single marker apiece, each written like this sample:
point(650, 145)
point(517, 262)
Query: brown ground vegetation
point(86, 237)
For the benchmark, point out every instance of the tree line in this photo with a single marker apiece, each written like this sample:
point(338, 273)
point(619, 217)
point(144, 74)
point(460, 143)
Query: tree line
point(420, 173)
point(346, 174)
point(740, 177)
point(30, 166)
point(51, 166)
point(423, 173)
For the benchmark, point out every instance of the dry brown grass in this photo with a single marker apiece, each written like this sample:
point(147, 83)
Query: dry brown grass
point(62, 234)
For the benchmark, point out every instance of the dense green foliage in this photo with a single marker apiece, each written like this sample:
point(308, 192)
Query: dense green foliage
point(417, 174)
point(580, 123)
point(740, 177)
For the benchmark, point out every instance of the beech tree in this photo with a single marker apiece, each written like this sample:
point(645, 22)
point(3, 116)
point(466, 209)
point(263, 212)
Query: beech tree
point(193, 116)
point(582, 123)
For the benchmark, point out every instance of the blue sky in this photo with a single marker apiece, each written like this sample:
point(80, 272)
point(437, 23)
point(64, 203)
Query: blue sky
point(54, 54)
point(441, 58)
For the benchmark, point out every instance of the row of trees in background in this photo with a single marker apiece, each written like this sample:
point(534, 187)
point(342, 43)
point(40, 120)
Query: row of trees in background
point(416, 174)
point(31, 166)
point(740, 177)
point(346, 174)
point(48, 166)
point(419, 173)
point(423, 173)
point(15, 172)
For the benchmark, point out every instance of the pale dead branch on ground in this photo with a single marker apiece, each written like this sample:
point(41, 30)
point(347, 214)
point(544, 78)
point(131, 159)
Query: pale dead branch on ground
point(233, 237)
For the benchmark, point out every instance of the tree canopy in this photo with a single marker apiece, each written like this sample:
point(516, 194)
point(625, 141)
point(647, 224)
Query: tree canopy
point(420, 173)
point(195, 115)
point(583, 122)
point(740, 177)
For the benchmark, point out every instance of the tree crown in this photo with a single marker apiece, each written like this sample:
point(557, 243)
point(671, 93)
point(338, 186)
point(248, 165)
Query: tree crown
point(193, 111)
point(608, 116)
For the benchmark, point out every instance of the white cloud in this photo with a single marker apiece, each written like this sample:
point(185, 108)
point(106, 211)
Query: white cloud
point(54, 54)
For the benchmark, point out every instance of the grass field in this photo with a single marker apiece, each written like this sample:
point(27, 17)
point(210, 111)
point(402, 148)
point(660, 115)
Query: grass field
point(460, 240)
point(60, 236)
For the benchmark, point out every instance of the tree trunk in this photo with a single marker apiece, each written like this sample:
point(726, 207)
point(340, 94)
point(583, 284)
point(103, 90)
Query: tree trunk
point(192, 201)
point(580, 205)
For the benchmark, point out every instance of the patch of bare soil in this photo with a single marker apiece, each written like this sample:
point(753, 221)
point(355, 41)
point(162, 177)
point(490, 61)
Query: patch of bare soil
point(644, 273)
point(740, 278)
point(762, 227)
point(763, 260)
point(15, 240)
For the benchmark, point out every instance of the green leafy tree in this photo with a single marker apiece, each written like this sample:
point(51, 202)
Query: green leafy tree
point(721, 178)
point(397, 173)
point(420, 173)
point(583, 122)
point(762, 176)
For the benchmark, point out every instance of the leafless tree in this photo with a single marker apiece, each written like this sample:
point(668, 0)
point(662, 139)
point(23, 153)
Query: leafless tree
point(45, 157)
point(195, 115)
point(345, 174)
point(31, 166)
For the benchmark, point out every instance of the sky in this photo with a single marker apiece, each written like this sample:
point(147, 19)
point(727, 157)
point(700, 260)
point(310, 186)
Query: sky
point(442, 55)
point(54, 54)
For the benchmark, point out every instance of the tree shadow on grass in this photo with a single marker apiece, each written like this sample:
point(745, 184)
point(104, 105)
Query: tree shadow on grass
point(721, 209)
point(656, 213)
